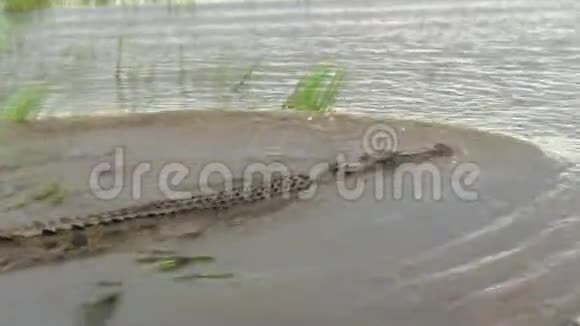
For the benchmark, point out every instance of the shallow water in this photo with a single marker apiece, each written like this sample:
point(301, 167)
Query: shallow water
point(327, 259)
point(510, 258)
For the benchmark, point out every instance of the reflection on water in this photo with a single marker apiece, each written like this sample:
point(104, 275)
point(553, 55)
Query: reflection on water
point(507, 66)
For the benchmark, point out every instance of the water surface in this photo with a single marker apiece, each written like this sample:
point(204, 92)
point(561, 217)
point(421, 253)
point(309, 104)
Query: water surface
point(510, 258)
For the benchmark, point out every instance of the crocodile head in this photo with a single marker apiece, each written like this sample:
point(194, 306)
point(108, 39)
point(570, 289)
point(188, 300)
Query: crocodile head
point(442, 149)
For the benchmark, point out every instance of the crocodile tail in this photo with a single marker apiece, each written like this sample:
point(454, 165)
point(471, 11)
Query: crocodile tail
point(6, 238)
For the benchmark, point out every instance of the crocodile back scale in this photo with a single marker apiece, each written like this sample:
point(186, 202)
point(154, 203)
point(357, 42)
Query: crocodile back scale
point(277, 187)
point(222, 200)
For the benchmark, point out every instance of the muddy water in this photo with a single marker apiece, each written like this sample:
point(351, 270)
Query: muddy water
point(508, 256)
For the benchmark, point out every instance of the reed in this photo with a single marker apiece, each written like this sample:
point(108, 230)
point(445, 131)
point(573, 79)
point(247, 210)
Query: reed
point(23, 105)
point(318, 90)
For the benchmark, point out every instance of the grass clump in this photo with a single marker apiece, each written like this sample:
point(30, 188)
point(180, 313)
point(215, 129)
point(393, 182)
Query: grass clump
point(22, 106)
point(317, 91)
point(53, 193)
point(24, 5)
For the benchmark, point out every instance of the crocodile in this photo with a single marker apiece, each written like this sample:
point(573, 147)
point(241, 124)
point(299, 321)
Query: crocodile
point(75, 231)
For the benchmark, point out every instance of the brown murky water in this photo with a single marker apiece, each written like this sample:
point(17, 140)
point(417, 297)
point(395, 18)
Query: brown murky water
point(509, 254)
point(510, 68)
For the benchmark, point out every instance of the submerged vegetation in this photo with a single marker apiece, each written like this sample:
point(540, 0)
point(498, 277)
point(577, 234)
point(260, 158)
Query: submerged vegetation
point(99, 309)
point(23, 105)
point(216, 276)
point(167, 261)
point(317, 91)
point(52, 193)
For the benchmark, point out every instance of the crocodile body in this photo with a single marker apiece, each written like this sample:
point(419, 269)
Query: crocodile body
point(288, 186)
point(166, 208)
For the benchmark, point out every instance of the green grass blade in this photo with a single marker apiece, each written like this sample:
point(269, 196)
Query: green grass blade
point(317, 91)
point(22, 106)
point(24, 5)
